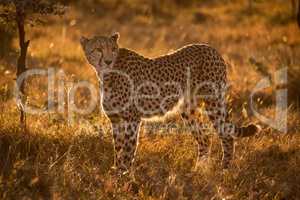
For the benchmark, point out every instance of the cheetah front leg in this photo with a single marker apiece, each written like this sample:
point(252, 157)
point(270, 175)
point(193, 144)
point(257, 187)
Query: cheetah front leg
point(118, 141)
point(125, 135)
point(130, 142)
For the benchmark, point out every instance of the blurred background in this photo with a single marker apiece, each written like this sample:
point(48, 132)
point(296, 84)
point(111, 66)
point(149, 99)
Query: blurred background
point(52, 159)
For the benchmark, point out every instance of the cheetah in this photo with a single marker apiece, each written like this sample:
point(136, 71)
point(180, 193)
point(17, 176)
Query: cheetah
point(134, 88)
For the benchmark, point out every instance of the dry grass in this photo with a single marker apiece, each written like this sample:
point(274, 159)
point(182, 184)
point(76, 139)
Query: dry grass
point(54, 160)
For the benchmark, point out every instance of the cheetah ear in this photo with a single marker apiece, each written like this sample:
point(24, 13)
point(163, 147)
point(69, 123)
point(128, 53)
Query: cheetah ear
point(115, 37)
point(83, 40)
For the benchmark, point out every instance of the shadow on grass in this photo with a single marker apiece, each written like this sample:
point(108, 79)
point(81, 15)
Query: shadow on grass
point(41, 166)
point(38, 166)
point(272, 172)
point(165, 170)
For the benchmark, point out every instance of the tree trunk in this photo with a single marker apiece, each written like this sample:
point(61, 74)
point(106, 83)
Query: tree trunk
point(250, 6)
point(21, 63)
point(298, 15)
point(294, 8)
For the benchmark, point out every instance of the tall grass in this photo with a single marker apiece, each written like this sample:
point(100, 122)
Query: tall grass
point(54, 160)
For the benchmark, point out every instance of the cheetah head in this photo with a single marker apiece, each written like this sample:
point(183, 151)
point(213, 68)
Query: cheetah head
point(101, 51)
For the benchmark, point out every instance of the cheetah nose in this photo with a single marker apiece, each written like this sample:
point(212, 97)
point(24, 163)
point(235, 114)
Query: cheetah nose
point(108, 62)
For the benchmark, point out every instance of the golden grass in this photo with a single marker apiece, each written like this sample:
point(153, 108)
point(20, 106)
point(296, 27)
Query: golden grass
point(56, 161)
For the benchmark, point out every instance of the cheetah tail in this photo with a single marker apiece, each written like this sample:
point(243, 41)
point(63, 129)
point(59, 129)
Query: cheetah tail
point(247, 131)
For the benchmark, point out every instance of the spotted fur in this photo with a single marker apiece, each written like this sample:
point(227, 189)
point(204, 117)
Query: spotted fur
point(134, 87)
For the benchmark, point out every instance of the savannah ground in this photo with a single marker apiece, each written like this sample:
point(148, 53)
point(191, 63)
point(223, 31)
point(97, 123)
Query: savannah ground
point(54, 159)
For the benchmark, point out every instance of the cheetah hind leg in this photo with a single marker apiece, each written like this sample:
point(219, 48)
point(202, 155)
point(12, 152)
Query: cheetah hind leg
point(203, 140)
point(226, 130)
